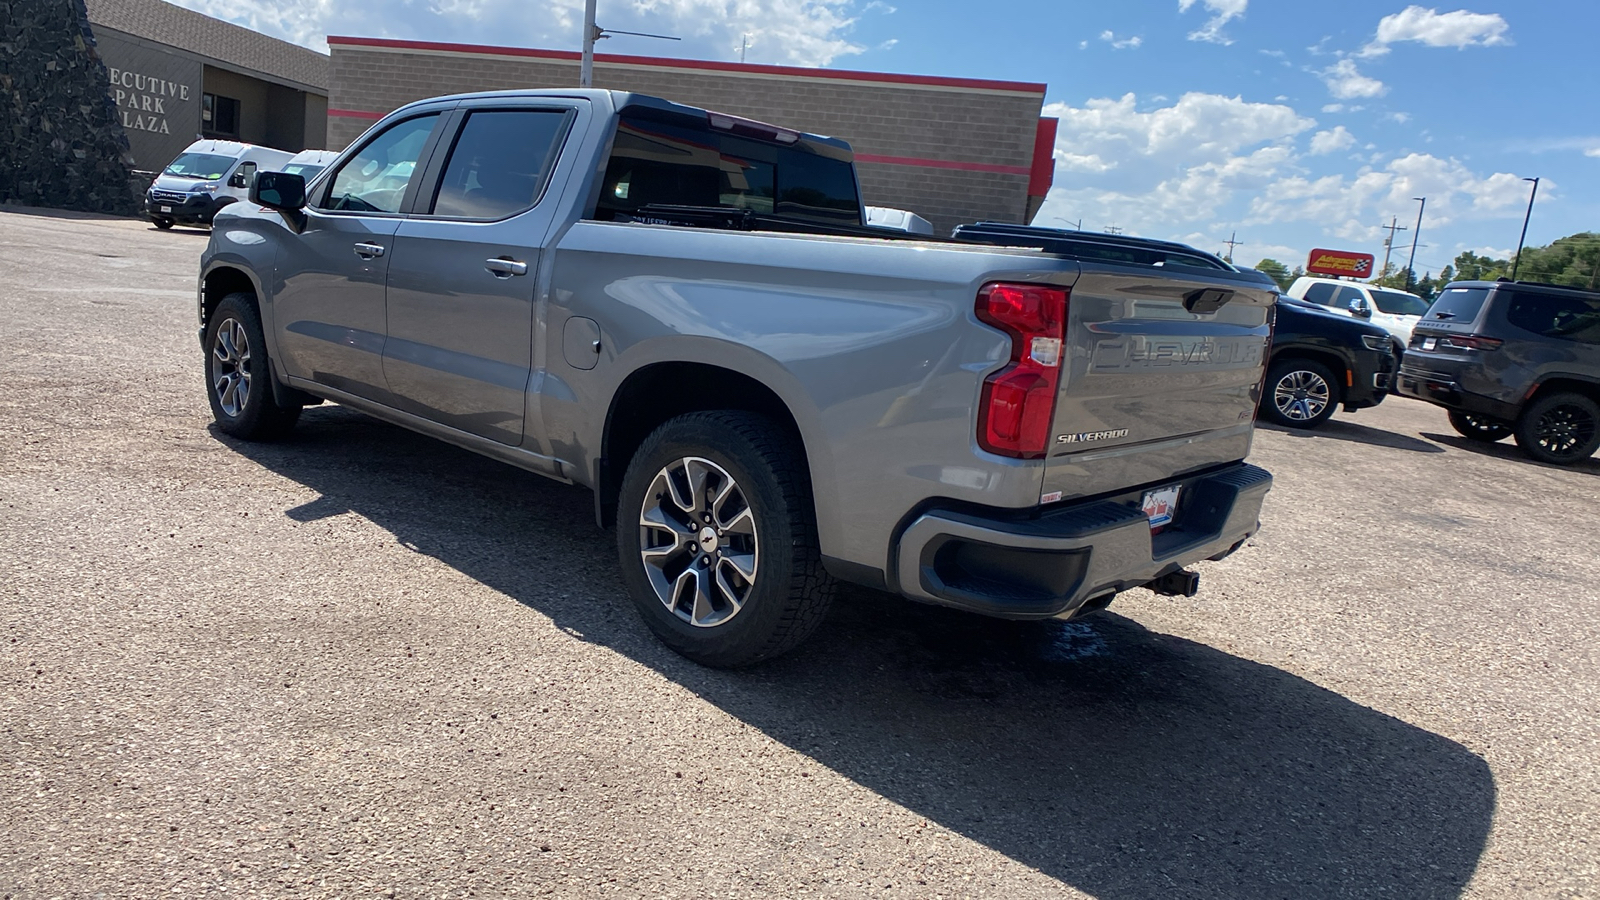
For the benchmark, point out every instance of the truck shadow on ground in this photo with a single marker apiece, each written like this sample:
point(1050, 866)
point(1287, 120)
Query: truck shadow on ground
point(1120, 761)
point(1335, 429)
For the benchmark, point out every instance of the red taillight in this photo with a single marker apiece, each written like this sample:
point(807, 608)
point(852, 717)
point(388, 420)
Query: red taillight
point(1470, 342)
point(1019, 401)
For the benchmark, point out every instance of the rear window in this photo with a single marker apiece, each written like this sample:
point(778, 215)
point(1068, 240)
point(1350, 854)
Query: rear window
point(1397, 304)
point(1321, 293)
point(684, 163)
point(1458, 306)
point(1566, 316)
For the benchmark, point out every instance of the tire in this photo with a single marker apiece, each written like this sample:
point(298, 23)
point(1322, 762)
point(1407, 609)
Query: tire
point(162, 224)
point(754, 487)
point(238, 374)
point(1300, 393)
point(1479, 428)
point(1561, 429)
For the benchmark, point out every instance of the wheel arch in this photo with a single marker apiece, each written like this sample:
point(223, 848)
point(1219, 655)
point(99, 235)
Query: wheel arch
point(1557, 384)
point(658, 391)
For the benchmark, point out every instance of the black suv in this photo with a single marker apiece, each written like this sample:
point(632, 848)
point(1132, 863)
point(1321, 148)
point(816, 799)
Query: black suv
point(1321, 360)
point(1512, 358)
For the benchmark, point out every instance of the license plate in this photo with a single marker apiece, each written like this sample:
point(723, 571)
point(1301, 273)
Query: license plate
point(166, 209)
point(1160, 503)
point(1429, 343)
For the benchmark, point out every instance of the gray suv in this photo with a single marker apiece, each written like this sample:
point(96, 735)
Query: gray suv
point(1512, 358)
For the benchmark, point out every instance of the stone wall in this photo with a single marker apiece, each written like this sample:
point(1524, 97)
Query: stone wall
point(63, 146)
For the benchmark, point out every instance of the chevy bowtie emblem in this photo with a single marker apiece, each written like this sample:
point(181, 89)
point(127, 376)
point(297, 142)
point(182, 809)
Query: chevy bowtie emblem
point(1086, 436)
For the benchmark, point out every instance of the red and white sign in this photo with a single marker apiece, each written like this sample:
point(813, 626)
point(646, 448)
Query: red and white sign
point(1341, 263)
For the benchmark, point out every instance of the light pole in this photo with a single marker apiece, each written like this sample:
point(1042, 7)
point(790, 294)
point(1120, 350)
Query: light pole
point(1515, 264)
point(1414, 235)
point(590, 35)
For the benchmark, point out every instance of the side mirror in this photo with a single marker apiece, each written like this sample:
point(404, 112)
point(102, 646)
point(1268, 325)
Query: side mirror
point(279, 190)
point(1360, 308)
point(237, 180)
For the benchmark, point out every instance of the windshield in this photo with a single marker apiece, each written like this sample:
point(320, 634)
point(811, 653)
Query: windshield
point(1397, 304)
point(204, 166)
point(304, 170)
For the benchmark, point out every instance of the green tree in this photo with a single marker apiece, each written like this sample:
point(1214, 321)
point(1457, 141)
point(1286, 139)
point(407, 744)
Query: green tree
point(1278, 271)
point(1472, 267)
point(1573, 260)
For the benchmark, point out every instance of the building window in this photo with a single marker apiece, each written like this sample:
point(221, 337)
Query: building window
point(219, 115)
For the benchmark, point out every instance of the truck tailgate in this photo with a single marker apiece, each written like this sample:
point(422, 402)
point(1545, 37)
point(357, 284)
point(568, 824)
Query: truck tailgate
point(1151, 390)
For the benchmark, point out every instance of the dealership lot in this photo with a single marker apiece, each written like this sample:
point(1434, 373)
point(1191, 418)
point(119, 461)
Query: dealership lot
point(362, 663)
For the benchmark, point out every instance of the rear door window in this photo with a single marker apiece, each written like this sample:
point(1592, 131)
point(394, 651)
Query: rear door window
point(500, 162)
point(1321, 293)
point(1567, 316)
point(1457, 306)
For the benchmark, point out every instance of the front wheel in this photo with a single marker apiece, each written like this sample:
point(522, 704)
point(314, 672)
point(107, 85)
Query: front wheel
point(1300, 393)
point(1479, 428)
point(162, 224)
point(1559, 428)
point(237, 374)
point(717, 539)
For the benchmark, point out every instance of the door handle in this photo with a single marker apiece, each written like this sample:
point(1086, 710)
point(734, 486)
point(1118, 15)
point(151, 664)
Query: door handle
point(505, 268)
point(369, 251)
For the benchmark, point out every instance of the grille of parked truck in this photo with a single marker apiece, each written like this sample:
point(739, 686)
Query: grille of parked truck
point(687, 313)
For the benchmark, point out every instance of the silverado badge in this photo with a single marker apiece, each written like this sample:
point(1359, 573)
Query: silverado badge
point(1086, 436)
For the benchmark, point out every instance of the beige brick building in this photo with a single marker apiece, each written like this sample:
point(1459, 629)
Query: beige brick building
point(952, 150)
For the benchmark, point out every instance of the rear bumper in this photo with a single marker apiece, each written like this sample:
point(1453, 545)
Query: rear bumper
point(1442, 389)
point(1053, 565)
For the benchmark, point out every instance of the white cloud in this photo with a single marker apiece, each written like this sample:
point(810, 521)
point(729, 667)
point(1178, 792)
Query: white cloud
point(1333, 141)
point(1398, 117)
point(1116, 43)
point(1222, 12)
point(1345, 82)
point(1592, 151)
point(1333, 107)
point(1083, 45)
point(787, 32)
point(1459, 29)
point(1454, 193)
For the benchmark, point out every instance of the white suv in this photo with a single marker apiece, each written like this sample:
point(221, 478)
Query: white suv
point(1396, 312)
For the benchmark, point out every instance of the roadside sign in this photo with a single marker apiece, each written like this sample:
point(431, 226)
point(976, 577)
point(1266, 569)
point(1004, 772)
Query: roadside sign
point(1340, 262)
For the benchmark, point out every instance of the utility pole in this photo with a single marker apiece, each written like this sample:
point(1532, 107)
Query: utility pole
point(743, 45)
point(1414, 235)
point(1231, 244)
point(1113, 229)
point(1388, 242)
point(1517, 263)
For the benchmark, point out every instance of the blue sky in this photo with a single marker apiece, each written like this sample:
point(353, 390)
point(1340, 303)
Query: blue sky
point(1294, 124)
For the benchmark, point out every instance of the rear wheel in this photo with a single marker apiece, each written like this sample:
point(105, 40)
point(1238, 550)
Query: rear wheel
point(1479, 428)
point(1300, 393)
point(718, 540)
point(1559, 428)
point(238, 377)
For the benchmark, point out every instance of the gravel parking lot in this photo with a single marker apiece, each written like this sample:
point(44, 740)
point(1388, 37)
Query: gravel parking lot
point(361, 663)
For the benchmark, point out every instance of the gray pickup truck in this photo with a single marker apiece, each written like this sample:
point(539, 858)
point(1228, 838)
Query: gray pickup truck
point(685, 312)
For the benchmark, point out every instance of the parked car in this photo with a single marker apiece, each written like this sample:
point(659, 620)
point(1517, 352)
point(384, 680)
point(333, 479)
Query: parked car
point(1322, 360)
point(678, 310)
point(204, 178)
point(898, 220)
point(308, 163)
point(1396, 312)
point(1319, 360)
point(1515, 359)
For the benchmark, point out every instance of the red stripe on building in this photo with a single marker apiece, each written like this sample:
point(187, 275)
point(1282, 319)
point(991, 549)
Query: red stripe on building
point(942, 164)
point(1024, 87)
point(354, 114)
point(1044, 158)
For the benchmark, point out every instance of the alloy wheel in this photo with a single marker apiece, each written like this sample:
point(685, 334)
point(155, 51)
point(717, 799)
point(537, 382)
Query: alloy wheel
point(1301, 395)
point(697, 539)
point(1564, 429)
point(230, 367)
